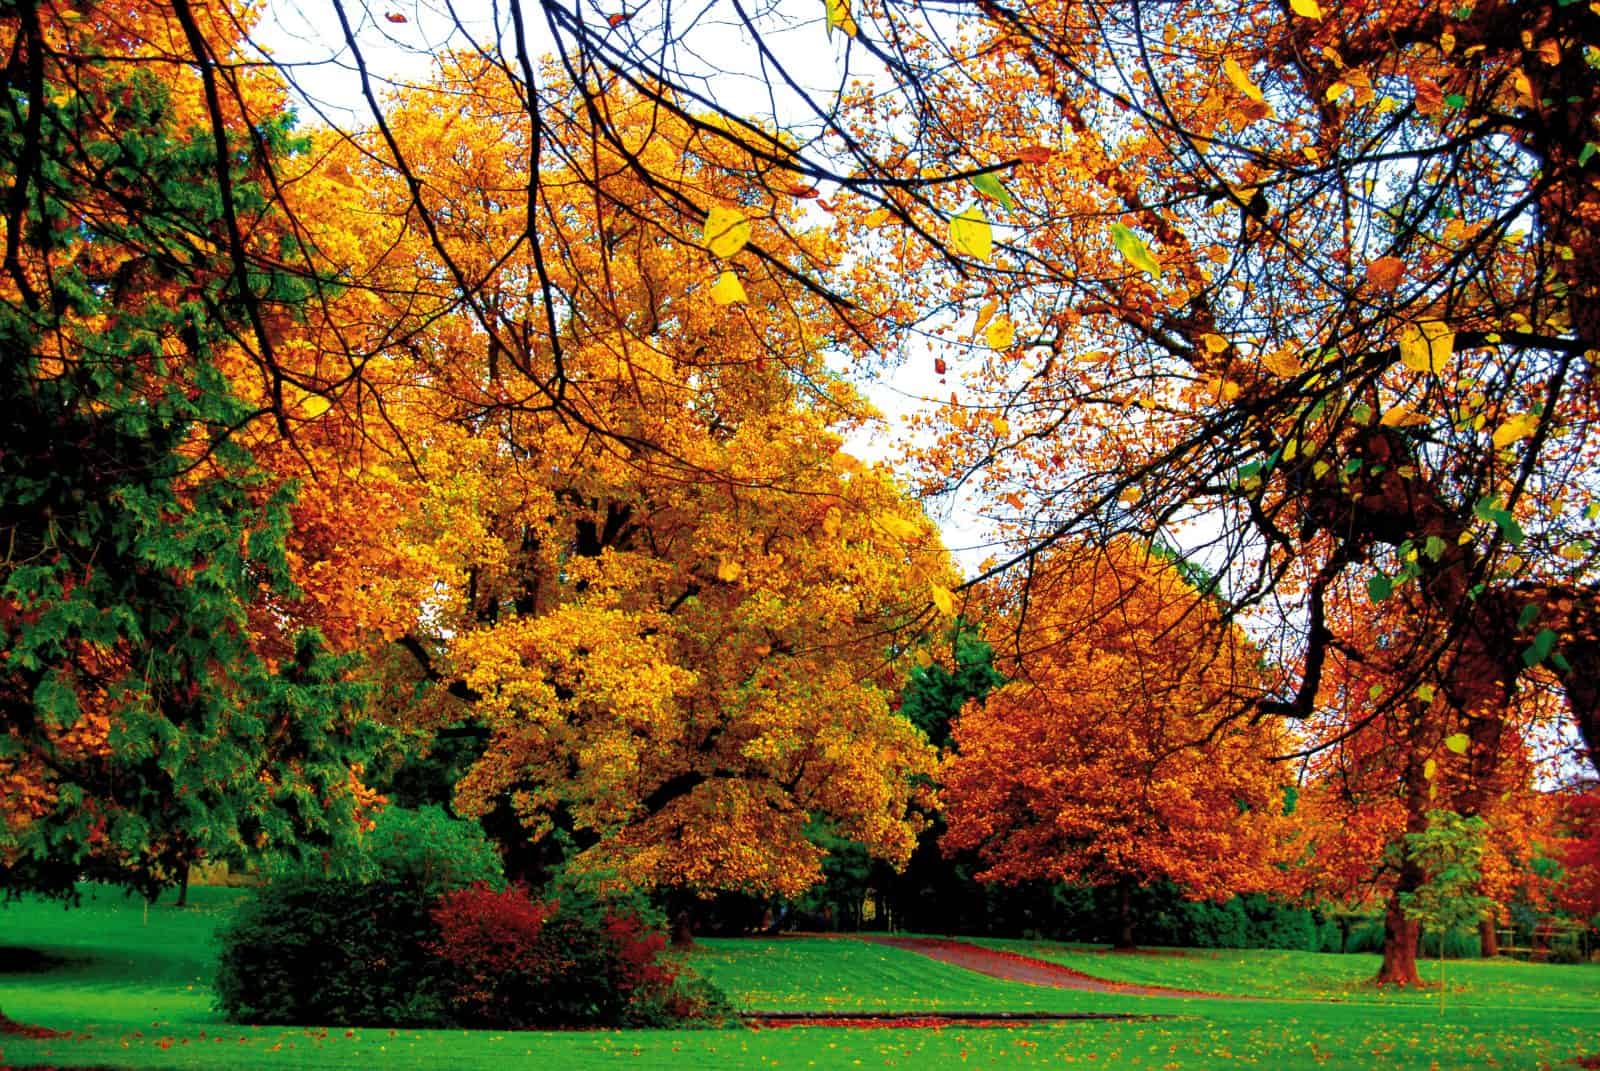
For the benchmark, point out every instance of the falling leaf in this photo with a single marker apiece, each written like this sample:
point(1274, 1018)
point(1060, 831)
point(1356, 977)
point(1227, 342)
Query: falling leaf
point(971, 234)
point(943, 599)
point(395, 16)
point(726, 231)
point(728, 290)
point(1429, 768)
point(1001, 334)
point(1130, 496)
point(990, 186)
point(1133, 248)
point(839, 17)
point(1517, 428)
point(1427, 347)
point(1385, 273)
point(1241, 79)
point(803, 191)
point(1457, 742)
point(939, 366)
point(1425, 692)
point(619, 18)
point(314, 405)
point(1379, 587)
point(1307, 9)
point(986, 313)
point(1214, 343)
point(877, 217)
point(1035, 154)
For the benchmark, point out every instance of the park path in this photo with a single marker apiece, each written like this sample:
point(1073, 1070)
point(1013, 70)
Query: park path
point(1015, 967)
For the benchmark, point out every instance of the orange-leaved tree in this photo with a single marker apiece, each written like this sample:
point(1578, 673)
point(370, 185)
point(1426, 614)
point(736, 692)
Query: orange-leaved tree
point(1110, 757)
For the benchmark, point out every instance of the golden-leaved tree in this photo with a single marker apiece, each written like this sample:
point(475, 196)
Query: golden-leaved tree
point(673, 604)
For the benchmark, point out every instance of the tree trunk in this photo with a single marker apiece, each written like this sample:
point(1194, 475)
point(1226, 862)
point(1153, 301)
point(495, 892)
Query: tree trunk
point(1125, 916)
point(683, 929)
point(1399, 947)
point(183, 884)
point(1488, 939)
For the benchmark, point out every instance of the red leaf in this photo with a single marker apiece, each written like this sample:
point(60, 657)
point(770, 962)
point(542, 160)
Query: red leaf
point(619, 18)
point(395, 16)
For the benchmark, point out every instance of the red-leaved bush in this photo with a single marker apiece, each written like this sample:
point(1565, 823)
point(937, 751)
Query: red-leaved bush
point(511, 961)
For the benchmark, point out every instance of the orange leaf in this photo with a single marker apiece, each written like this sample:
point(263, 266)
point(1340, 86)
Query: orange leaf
point(1035, 154)
point(1385, 273)
point(619, 18)
point(1430, 98)
point(395, 16)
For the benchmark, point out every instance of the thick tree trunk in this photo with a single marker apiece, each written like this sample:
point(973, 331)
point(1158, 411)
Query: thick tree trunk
point(1488, 939)
point(1399, 947)
point(1125, 916)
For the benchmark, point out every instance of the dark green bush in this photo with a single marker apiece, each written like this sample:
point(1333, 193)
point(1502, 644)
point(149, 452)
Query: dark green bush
point(328, 951)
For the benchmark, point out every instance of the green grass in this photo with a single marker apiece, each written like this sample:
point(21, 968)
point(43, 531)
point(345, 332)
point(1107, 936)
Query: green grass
point(1266, 973)
point(135, 991)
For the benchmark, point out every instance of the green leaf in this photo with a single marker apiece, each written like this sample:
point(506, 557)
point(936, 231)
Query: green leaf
point(1457, 742)
point(990, 186)
point(1543, 644)
point(1559, 660)
point(1132, 247)
point(1434, 548)
point(1455, 100)
point(1587, 151)
point(1379, 587)
point(1530, 613)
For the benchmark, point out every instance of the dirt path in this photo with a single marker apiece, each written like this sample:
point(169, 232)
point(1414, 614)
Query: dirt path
point(1013, 967)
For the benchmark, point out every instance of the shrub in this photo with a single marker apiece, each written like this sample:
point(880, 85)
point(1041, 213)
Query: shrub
point(318, 950)
point(574, 959)
point(430, 850)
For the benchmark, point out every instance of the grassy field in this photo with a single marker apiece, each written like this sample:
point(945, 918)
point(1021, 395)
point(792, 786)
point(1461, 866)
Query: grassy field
point(133, 988)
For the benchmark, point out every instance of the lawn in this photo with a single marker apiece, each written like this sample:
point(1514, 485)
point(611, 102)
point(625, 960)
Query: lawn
point(134, 989)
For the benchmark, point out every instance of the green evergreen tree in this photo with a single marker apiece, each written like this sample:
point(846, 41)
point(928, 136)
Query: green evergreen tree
point(140, 726)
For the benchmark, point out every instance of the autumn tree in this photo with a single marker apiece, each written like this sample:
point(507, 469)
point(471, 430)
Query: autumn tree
point(1102, 760)
point(671, 602)
point(143, 725)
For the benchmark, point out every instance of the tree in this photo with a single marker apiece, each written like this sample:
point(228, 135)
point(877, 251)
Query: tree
point(142, 724)
point(672, 603)
point(1102, 760)
point(1450, 853)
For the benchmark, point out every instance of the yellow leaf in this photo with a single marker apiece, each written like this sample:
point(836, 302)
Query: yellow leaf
point(831, 521)
point(1427, 347)
point(1001, 334)
point(1429, 768)
point(898, 526)
point(1520, 80)
point(1519, 427)
point(839, 17)
point(1457, 742)
point(943, 599)
point(986, 313)
point(314, 405)
point(1133, 248)
point(728, 290)
point(1281, 363)
point(729, 571)
point(877, 217)
point(1241, 80)
point(1403, 416)
point(1335, 91)
point(1214, 343)
point(1307, 9)
point(971, 234)
point(726, 231)
point(1130, 496)
point(1425, 692)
